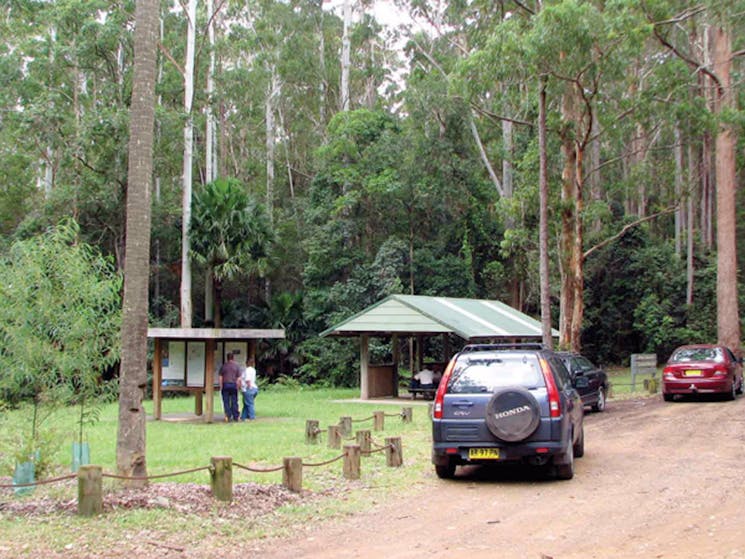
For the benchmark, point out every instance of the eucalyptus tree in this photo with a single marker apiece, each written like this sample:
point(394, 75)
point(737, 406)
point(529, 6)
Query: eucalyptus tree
point(714, 63)
point(64, 111)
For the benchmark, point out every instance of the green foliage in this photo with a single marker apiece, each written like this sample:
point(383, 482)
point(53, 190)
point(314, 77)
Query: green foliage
point(59, 322)
point(229, 231)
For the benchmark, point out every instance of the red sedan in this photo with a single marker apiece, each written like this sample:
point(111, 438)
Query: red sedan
point(702, 369)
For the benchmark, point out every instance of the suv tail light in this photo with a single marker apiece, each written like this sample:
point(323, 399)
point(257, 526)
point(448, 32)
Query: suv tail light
point(554, 402)
point(440, 395)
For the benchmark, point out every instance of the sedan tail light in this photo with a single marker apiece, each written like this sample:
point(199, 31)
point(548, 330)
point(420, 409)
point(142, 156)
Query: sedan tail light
point(720, 371)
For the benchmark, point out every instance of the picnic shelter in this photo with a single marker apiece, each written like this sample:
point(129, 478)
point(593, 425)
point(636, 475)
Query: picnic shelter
point(419, 317)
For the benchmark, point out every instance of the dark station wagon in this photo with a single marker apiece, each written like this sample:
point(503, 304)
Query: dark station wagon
point(507, 404)
point(590, 381)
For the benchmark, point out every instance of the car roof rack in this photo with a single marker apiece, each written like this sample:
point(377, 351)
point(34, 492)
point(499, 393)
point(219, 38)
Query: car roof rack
point(488, 347)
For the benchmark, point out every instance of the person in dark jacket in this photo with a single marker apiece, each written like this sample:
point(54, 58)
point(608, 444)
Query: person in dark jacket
point(229, 374)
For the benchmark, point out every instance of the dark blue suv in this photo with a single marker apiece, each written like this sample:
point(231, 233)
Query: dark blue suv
point(507, 403)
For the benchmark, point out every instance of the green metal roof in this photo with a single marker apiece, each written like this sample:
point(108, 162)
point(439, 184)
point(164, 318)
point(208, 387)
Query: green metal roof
point(418, 314)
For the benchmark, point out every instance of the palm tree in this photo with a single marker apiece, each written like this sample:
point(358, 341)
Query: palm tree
point(130, 443)
point(230, 236)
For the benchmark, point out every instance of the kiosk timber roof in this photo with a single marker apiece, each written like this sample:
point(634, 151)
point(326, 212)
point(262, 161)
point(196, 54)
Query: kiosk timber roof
point(471, 319)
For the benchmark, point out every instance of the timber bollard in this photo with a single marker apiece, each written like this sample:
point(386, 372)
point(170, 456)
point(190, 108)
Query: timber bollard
point(90, 495)
point(651, 384)
point(393, 454)
point(221, 478)
point(429, 410)
point(292, 474)
point(345, 426)
point(378, 420)
point(352, 461)
point(334, 436)
point(364, 439)
point(311, 431)
point(406, 415)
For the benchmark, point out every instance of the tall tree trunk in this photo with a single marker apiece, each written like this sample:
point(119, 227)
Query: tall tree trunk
point(323, 85)
point(210, 135)
point(728, 320)
point(186, 303)
point(569, 261)
point(547, 336)
point(269, 108)
point(690, 229)
point(346, 56)
point(130, 443)
point(678, 157)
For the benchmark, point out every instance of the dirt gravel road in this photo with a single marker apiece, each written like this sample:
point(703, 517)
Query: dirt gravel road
point(659, 480)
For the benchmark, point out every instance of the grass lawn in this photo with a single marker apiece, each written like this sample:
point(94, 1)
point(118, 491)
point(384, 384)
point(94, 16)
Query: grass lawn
point(278, 432)
point(620, 379)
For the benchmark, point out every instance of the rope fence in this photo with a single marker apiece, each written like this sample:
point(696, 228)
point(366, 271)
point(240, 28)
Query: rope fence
point(90, 477)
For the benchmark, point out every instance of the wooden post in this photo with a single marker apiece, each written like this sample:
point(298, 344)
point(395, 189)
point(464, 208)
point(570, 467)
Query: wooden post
point(209, 380)
point(378, 420)
point(652, 385)
point(406, 415)
point(364, 440)
point(364, 367)
point(429, 410)
point(221, 474)
point(393, 454)
point(345, 426)
point(394, 353)
point(90, 494)
point(157, 380)
point(334, 437)
point(198, 407)
point(292, 474)
point(311, 431)
point(352, 461)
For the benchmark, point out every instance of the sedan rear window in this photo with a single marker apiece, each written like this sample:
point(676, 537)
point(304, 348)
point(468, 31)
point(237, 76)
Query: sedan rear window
point(687, 354)
point(484, 375)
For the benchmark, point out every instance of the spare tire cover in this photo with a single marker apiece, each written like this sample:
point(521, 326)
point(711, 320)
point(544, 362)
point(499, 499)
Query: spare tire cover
point(513, 414)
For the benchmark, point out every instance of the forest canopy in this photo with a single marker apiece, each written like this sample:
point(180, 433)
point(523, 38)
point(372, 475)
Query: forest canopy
point(329, 160)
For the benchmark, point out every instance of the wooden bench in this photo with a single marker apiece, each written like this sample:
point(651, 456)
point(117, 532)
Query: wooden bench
point(642, 364)
point(428, 393)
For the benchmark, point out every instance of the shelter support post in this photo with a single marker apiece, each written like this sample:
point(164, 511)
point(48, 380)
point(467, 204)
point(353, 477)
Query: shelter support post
point(419, 354)
point(209, 381)
point(394, 353)
point(364, 367)
point(157, 380)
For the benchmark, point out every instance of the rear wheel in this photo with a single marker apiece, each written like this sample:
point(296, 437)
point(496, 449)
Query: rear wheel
point(600, 404)
point(732, 394)
point(566, 471)
point(579, 446)
point(446, 471)
point(739, 386)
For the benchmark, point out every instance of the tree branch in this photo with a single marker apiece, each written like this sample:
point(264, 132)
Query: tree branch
point(168, 55)
point(625, 228)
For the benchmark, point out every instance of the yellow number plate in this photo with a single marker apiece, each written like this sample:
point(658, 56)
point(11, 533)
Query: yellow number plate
point(483, 453)
point(692, 373)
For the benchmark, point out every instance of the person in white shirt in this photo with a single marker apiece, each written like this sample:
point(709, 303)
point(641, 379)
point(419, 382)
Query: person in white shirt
point(426, 378)
point(249, 389)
